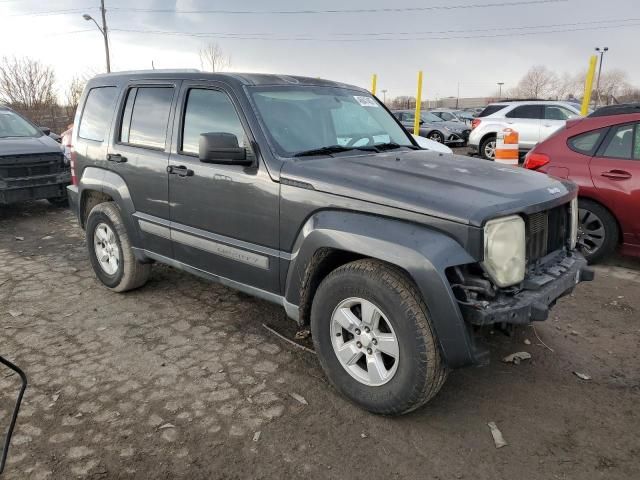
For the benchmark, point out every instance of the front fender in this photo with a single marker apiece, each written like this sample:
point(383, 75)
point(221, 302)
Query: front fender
point(422, 252)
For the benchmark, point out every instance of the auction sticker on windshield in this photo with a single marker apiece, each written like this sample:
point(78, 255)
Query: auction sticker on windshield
point(366, 101)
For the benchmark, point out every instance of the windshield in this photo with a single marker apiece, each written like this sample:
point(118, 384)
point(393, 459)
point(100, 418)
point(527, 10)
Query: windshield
point(13, 125)
point(303, 119)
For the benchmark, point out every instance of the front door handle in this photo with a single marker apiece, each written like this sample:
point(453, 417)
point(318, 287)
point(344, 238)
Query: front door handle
point(617, 174)
point(180, 170)
point(116, 158)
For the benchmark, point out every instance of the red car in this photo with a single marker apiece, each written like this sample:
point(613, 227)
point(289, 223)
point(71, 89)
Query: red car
point(601, 153)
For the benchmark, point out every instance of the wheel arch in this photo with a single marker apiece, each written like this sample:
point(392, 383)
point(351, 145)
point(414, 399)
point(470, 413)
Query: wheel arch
point(331, 239)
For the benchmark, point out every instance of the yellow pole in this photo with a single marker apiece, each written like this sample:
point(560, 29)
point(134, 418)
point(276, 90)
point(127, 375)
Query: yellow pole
point(374, 84)
point(588, 85)
point(416, 121)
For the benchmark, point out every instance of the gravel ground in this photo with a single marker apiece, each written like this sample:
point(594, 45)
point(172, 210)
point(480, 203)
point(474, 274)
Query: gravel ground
point(180, 380)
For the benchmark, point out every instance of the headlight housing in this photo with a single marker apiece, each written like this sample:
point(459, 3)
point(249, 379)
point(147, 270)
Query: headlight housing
point(504, 250)
point(573, 238)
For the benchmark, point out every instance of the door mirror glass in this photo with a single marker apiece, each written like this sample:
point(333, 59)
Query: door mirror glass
point(217, 147)
point(45, 130)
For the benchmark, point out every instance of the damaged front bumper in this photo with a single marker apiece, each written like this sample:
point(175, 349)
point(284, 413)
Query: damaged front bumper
point(551, 279)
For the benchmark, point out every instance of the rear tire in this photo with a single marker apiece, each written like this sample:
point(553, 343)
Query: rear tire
point(110, 250)
point(597, 230)
point(436, 136)
point(408, 380)
point(488, 148)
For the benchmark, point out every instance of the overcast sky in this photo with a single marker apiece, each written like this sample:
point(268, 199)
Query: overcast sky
point(347, 46)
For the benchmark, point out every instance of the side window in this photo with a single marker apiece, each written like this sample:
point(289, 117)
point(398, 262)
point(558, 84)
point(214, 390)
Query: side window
point(145, 116)
point(636, 143)
point(620, 143)
point(526, 111)
point(587, 142)
point(97, 112)
point(555, 112)
point(210, 111)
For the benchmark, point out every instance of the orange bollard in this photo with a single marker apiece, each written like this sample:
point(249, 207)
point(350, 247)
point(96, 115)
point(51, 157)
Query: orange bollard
point(507, 147)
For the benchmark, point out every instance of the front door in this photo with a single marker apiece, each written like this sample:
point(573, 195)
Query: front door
point(224, 218)
point(615, 170)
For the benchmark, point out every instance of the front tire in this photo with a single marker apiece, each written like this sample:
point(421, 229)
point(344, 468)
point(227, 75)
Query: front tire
point(488, 148)
point(110, 250)
point(374, 338)
point(597, 230)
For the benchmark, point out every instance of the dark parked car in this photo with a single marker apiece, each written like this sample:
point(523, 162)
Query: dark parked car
point(32, 165)
point(310, 194)
point(601, 153)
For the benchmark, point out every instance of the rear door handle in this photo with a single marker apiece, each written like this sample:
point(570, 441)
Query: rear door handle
point(180, 170)
point(616, 174)
point(116, 158)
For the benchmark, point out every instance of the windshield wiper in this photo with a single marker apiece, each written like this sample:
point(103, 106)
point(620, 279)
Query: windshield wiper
point(392, 146)
point(332, 149)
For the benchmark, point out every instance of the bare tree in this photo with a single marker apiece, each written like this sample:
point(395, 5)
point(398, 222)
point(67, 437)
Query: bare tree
point(26, 83)
point(73, 93)
point(612, 84)
point(538, 82)
point(213, 58)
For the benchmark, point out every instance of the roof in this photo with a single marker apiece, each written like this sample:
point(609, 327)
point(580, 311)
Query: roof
point(622, 109)
point(527, 102)
point(237, 78)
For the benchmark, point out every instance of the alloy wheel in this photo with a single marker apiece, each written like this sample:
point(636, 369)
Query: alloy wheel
point(591, 232)
point(106, 248)
point(364, 342)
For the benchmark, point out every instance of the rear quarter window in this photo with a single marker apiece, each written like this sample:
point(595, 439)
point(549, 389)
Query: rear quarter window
point(586, 143)
point(490, 109)
point(96, 115)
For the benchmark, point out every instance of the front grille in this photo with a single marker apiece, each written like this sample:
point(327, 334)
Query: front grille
point(547, 231)
point(24, 166)
point(465, 134)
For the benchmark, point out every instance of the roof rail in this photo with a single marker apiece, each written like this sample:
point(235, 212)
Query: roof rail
point(622, 109)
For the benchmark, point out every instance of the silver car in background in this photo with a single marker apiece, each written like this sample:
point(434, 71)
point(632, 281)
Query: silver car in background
point(534, 121)
point(434, 128)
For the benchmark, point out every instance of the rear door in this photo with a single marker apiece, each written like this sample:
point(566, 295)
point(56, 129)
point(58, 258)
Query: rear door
point(526, 119)
point(555, 117)
point(615, 170)
point(140, 155)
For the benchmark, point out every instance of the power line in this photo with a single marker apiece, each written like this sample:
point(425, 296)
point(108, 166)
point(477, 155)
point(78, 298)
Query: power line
point(333, 11)
point(342, 40)
point(377, 34)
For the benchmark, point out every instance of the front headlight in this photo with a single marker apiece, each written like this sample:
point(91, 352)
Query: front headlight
point(573, 239)
point(504, 250)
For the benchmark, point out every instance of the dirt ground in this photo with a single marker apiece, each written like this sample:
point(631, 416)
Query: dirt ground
point(175, 380)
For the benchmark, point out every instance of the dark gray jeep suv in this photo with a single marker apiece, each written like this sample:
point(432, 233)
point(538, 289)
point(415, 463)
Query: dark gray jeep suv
point(311, 195)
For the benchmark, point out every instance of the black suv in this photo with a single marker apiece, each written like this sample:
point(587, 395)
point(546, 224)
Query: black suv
point(311, 195)
point(32, 165)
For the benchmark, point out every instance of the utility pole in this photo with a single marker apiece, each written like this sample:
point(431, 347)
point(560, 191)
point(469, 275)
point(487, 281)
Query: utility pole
point(103, 31)
point(384, 96)
point(601, 52)
point(500, 90)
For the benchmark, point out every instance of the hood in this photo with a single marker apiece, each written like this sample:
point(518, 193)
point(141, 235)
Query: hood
point(461, 189)
point(28, 145)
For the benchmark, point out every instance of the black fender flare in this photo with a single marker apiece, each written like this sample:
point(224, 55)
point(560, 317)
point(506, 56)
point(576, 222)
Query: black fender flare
point(424, 253)
point(113, 185)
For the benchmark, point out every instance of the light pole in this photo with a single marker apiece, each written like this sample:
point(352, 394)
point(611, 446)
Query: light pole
point(103, 31)
point(601, 51)
point(500, 90)
point(384, 96)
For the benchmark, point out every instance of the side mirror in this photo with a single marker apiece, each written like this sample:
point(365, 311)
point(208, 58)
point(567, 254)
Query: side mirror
point(223, 148)
point(45, 130)
point(421, 121)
